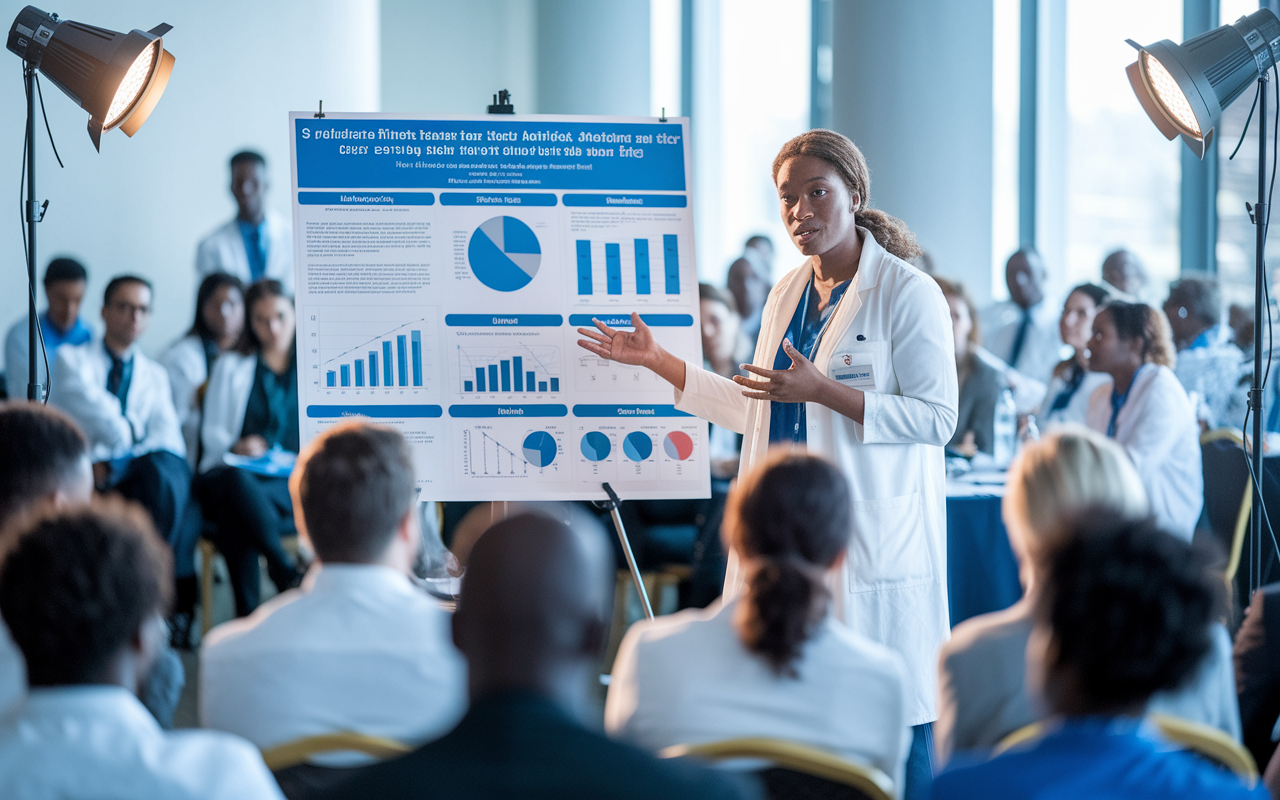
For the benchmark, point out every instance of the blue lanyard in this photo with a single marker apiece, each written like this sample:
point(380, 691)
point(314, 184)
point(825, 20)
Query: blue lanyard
point(804, 315)
point(1118, 401)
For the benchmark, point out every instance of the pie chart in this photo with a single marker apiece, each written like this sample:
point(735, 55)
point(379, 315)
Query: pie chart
point(540, 448)
point(595, 446)
point(504, 254)
point(678, 445)
point(637, 446)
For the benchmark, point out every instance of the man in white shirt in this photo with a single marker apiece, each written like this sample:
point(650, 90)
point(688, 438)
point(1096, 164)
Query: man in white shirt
point(122, 401)
point(358, 646)
point(1209, 365)
point(82, 593)
point(1023, 331)
point(258, 242)
point(60, 323)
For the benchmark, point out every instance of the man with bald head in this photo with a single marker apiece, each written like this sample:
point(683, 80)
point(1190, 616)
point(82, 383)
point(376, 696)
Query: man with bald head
point(532, 622)
point(1124, 273)
point(1023, 331)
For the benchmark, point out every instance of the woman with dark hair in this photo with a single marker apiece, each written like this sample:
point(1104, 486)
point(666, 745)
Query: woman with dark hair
point(1067, 398)
point(854, 361)
point(981, 381)
point(217, 328)
point(251, 406)
point(1146, 410)
point(774, 661)
point(1123, 611)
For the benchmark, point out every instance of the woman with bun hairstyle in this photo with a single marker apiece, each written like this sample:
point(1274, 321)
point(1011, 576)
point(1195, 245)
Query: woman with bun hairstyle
point(772, 661)
point(1146, 410)
point(854, 362)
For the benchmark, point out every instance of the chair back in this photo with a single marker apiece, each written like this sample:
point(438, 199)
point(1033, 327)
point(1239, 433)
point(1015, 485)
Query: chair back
point(1209, 743)
point(1226, 482)
point(798, 772)
point(298, 751)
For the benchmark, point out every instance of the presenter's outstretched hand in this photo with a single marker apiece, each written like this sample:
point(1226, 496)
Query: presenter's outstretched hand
point(802, 383)
point(637, 347)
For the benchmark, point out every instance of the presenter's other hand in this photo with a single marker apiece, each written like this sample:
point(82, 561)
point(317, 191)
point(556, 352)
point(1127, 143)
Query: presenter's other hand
point(636, 347)
point(252, 446)
point(802, 383)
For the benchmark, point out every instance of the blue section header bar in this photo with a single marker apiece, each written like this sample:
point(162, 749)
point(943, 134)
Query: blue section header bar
point(627, 411)
point(503, 320)
point(491, 199)
point(624, 200)
point(624, 320)
point(380, 412)
point(348, 152)
point(366, 198)
point(540, 410)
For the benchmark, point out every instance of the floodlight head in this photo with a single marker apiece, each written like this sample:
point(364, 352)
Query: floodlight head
point(117, 77)
point(1185, 88)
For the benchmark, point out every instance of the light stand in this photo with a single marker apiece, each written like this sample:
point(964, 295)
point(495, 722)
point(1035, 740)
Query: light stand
point(1259, 295)
point(32, 215)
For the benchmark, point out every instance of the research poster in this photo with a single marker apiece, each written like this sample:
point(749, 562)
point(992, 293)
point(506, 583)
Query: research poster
point(443, 267)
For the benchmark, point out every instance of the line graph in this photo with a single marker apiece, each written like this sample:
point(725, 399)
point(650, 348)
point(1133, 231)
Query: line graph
point(485, 456)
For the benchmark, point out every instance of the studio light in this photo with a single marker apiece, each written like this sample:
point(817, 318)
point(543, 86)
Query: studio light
point(116, 77)
point(1185, 88)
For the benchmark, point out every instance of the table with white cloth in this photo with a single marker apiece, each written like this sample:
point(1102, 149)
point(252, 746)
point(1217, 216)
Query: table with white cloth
point(982, 574)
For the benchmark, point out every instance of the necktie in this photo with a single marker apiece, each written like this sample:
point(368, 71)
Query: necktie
point(1021, 338)
point(119, 378)
point(255, 251)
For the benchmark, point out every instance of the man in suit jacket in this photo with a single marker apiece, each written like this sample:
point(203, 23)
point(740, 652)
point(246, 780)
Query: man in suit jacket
point(531, 622)
point(1257, 657)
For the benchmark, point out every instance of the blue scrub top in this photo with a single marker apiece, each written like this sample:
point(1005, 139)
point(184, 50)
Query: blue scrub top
point(787, 420)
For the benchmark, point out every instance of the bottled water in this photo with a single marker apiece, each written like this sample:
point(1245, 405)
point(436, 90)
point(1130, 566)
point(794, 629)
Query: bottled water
point(1006, 429)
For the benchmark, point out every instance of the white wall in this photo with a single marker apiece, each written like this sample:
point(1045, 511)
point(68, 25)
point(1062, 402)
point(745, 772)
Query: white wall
point(593, 57)
point(912, 86)
point(142, 204)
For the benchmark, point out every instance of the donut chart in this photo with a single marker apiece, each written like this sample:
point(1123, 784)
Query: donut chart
point(596, 446)
point(504, 254)
point(539, 448)
point(678, 445)
point(637, 446)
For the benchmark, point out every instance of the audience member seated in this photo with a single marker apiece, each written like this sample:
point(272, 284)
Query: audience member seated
point(774, 661)
point(1209, 363)
point(1257, 660)
point(1147, 411)
point(1123, 611)
point(981, 380)
point(44, 463)
point(1124, 274)
point(983, 694)
point(1022, 331)
point(256, 244)
point(64, 285)
point(217, 328)
point(749, 281)
point(358, 647)
point(532, 622)
point(122, 401)
point(1067, 399)
point(250, 407)
point(83, 593)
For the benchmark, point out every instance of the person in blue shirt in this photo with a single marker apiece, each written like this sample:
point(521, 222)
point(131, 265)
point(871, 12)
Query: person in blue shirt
point(60, 323)
point(1123, 612)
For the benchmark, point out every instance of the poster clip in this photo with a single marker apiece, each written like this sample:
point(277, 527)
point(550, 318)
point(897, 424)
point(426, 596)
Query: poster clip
point(502, 103)
point(320, 114)
point(663, 118)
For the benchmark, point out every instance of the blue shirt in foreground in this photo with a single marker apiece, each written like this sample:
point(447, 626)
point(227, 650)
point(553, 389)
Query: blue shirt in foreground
point(1096, 758)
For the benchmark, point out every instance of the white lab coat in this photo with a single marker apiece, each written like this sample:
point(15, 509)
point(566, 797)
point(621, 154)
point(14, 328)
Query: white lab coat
point(225, 401)
point(1077, 408)
point(893, 323)
point(185, 363)
point(223, 251)
point(149, 422)
point(1157, 428)
point(1042, 347)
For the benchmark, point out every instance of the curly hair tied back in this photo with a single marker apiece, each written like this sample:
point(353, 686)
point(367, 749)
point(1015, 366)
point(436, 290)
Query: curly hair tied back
point(1141, 321)
point(844, 156)
point(789, 519)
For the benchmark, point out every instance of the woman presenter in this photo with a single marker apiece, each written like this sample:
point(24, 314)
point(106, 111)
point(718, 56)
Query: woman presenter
point(854, 361)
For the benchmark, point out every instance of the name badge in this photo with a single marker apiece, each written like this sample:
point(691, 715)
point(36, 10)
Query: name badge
point(855, 370)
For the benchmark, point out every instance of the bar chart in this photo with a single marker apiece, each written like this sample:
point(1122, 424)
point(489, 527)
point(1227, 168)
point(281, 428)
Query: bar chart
point(517, 369)
point(365, 349)
point(633, 267)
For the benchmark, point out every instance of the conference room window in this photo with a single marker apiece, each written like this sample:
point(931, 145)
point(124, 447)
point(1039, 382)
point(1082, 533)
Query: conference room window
point(1122, 178)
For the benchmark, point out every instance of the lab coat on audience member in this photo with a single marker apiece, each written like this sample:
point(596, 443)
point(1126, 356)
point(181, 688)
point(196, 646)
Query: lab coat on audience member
point(223, 251)
point(98, 741)
point(1077, 408)
point(894, 324)
point(688, 679)
point(225, 401)
point(1157, 428)
point(188, 370)
point(148, 423)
